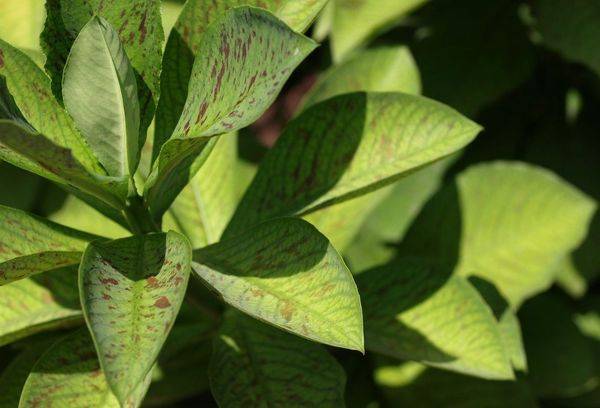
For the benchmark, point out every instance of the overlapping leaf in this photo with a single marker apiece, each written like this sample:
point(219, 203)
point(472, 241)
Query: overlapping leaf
point(138, 24)
point(30, 245)
point(131, 290)
point(186, 39)
point(69, 375)
point(249, 54)
point(100, 93)
point(347, 146)
point(355, 21)
point(419, 312)
point(286, 273)
point(257, 365)
point(42, 302)
point(21, 22)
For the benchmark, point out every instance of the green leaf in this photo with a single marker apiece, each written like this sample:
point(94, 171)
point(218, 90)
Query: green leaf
point(21, 22)
point(571, 28)
point(562, 361)
point(30, 88)
point(204, 207)
point(139, 26)
point(347, 146)
point(284, 272)
point(356, 21)
point(131, 290)
point(40, 303)
point(30, 245)
point(382, 69)
point(256, 365)
point(514, 224)
point(186, 39)
point(411, 384)
point(417, 311)
point(38, 154)
point(249, 54)
point(15, 374)
point(69, 375)
point(100, 93)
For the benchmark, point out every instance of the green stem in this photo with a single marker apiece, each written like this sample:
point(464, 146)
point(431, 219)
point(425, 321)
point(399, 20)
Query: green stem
point(138, 217)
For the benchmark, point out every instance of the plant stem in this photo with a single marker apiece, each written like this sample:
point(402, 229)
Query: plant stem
point(139, 218)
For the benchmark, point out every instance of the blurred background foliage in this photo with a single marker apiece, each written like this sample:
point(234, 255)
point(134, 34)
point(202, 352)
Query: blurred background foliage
point(529, 73)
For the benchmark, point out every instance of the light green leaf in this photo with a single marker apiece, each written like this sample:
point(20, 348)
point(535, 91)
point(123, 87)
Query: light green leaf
point(249, 54)
point(21, 22)
point(30, 88)
point(131, 290)
point(40, 303)
point(15, 374)
point(562, 361)
point(418, 312)
point(139, 26)
point(356, 21)
point(38, 154)
point(68, 375)
point(514, 224)
point(284, 272)
point(382, 69)
point(347, 146)
point(259, 366)
point(412, 384)
point(204, 207)
point(30, 245)
point(186, 39)
point(571, 27)
point(100, 93)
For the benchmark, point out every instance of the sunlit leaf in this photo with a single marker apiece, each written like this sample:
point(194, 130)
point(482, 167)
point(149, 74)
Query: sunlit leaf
point(131, 290)
point(286, 273)
point(258, 365)
point(21, 22)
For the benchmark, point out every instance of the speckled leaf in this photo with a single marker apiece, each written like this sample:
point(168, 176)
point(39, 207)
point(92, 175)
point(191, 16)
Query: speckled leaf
point(382, 69)
point(186, 38)
point(243, 61)
point(204, 207)
point(139, 26)
point(347, 146)
point(355, 21)
point(507, 222)
point(100, 93)
point(38, 154)
point(416, 311)
point(571, 27)
point(131, 290)
point(286, 273)
point(30, 245)
point(255, 365)
point(30, 88)
point(69, 375)
point(42, 302)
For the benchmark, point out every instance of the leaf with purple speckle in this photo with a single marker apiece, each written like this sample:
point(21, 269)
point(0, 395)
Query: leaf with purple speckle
point(68, 375)
point(286, 273)
point(255, 365)
point(243, 61)
point(131, 290)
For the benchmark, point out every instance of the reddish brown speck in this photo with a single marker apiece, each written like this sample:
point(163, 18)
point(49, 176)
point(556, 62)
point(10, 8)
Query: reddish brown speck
point(162, 302)
point(1, 59)
point(152, 282)
point(109, 281)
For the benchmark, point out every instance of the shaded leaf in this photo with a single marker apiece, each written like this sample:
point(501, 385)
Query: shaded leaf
point(138, 24)
point(347, 146)
point(419, 312)
point(257, 365)
point(186, 39)
point(131, 290)
point(411, 384)
point(100, 93)
point(43, 302)
point(30, 245)
point(373, 15)
point(30, 88)
point(249, 54)
point(69, 375)
point(286, 273)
